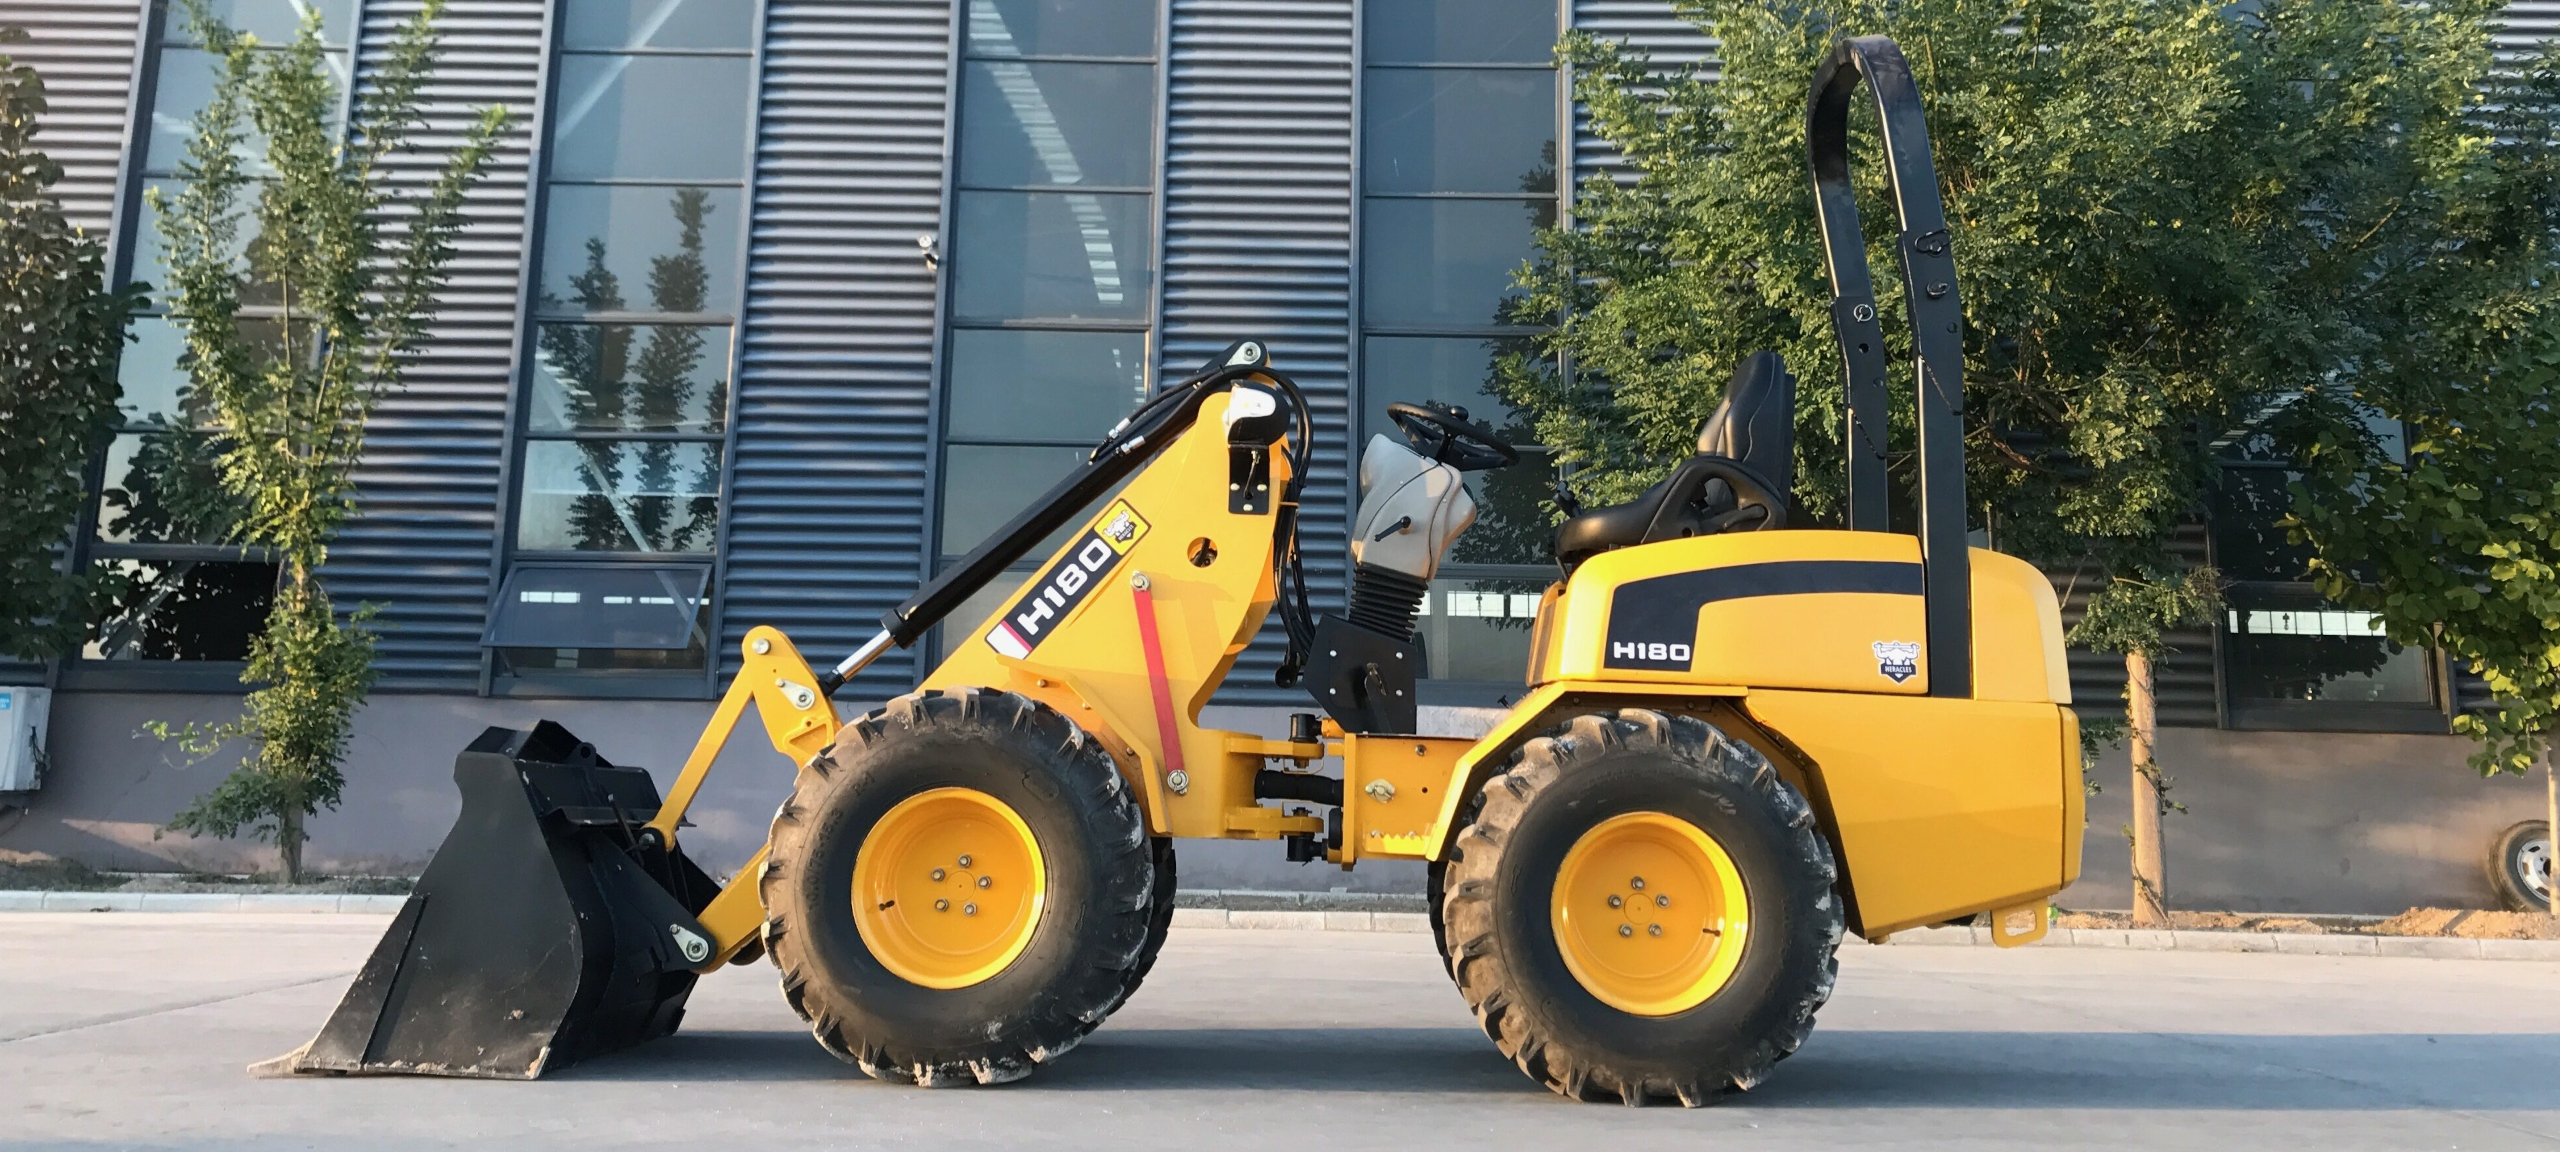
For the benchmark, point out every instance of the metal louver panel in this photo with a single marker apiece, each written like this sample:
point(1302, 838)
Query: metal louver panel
point(84, 50)
point(2527, 25)
point(2183, 689)
point(1649, 25)
point(434, 454)
point(1257, 239)
point(826, 510)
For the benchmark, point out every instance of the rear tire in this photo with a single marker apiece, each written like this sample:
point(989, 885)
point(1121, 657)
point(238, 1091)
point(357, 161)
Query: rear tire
point(2520, 867)
point(1507, 872)
point(1079, 945)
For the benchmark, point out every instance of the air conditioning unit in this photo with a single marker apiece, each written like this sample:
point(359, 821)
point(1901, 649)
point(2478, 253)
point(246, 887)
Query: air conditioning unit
point(23, 712)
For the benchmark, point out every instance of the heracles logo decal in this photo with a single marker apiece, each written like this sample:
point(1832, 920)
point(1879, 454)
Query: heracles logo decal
point(1897, 660)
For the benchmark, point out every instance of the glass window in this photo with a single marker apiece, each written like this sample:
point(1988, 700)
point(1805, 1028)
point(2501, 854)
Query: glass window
point(1460, 32)
point(2289, 645)
point(984, 486)
point(616, 24)
point(165, 488)
point(1450, 369)
point(1013, 384)
point(577, 606)
point(272, 21)
point(1052, 255)
point(650, 118)
point(619, 496)
point(1459, 130)
point(1444, 263)
point(1062, 28)
point(1031, 123)
point(184, 610)
point(640, 249)
point(2248, 532)
point(1479, 629)
point(629, 378)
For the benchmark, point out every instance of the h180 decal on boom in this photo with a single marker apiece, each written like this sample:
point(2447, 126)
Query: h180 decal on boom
point(1058, 589)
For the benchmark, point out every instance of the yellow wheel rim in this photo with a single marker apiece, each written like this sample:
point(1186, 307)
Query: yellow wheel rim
point(1650, 913)
point(948, 887)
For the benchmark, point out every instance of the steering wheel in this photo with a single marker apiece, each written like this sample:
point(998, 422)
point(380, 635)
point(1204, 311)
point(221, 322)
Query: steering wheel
point(1443, 433)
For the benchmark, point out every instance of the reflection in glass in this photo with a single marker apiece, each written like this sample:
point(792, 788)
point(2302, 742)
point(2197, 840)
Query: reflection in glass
point(152, 373)
point(1062, 28)
point(614, 24)
point(1444, 262)
point(165, 488)
point(1031, 123)
point(184, 610)
point(1459, 31)
point(183, 85)
point(2248, 530)
point(1478, 629)
point(629, 378)
point(1459, 130)
point(650, 118)
point(2293, 646)
point(619, 496)
point(274, 22)
point(1019, 385)
point(1051, 255)
point(620, 249)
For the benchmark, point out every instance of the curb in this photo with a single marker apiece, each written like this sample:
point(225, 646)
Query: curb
point(2287, 943)
point(197, 902)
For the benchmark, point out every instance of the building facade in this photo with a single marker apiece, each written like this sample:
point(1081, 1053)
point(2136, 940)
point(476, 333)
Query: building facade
point(767, 309)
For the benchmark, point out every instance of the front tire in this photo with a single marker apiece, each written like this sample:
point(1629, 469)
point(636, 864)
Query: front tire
point(959, 890)
point(2520, 867)
point(1631, 999)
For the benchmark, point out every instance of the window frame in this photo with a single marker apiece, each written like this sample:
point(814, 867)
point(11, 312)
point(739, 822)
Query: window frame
point(499, 680)
point(2250, 714)
point(1430, 690)
point(130, 219)
point(949, 324)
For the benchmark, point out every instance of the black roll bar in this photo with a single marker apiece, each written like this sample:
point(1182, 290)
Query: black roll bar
point(1937, 320)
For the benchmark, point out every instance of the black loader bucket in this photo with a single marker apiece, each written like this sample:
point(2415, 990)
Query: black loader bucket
point(546, 930)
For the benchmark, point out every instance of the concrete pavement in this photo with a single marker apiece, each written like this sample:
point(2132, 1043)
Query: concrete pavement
point(121, 1031)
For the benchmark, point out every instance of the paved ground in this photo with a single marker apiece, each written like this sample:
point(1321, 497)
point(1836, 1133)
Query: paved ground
point(128, 1030)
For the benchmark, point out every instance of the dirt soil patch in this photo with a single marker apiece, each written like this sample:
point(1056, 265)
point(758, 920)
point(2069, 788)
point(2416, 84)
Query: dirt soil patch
point(2466, 923)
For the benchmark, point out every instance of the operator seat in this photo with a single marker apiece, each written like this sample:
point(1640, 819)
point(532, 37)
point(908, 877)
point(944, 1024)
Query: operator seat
point(1738, 481)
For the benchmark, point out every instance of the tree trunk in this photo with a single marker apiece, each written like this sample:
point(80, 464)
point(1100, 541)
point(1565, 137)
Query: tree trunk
point(2551, 825)
point(289, 844)
point(2150, 873)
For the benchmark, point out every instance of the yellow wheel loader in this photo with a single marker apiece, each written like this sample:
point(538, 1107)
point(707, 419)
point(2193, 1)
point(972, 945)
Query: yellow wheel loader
point(1740, 737)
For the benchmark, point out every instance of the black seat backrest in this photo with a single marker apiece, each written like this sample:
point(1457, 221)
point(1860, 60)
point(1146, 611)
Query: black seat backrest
point(1756, 422)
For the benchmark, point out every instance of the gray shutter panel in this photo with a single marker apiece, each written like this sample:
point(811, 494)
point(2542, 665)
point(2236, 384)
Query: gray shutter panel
point(826, 505)
point(430, 484)
point(2527, 25)
point(85, 52)
point(1649, 25)
point(1257, 240)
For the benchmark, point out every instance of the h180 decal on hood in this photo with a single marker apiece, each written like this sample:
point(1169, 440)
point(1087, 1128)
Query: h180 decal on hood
point(1065, 583)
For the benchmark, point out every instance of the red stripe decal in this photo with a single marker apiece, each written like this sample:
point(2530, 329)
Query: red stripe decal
point(1157, 685)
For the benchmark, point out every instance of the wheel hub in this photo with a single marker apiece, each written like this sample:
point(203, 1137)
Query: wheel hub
point(2533, 861)
point(1650, 913)
point(948, 887)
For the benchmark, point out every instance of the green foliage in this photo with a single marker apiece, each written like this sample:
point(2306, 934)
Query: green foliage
point(2461, 547)
point(355, 265)
point(60, 333)
point(2169, 215)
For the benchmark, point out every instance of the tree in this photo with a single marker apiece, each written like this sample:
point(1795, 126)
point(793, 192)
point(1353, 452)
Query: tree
point(355, 265)
point(60, 333)
point(2169, 216)
point(2460, 547)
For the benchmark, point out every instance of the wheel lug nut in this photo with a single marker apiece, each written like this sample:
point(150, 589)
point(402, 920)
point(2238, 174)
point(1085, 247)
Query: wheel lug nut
point(1626, 929)
point(964, 862)
point(986, 881)
point(941, 905)
point(968, 909)
point(1637, 883)
point(1615, 902)
point(1661, 901)
point(937, 875)
point(1653, 929)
